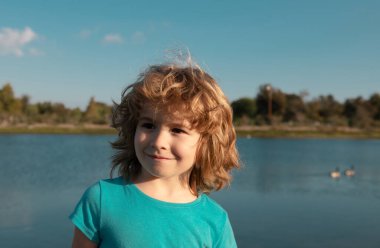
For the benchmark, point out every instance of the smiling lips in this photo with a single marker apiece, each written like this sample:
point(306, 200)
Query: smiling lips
point(158, 157)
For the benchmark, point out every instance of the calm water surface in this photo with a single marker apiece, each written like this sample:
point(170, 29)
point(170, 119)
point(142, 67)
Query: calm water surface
point(282, 197)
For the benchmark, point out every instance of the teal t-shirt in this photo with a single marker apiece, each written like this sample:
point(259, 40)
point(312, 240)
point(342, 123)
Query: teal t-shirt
point(115, 213)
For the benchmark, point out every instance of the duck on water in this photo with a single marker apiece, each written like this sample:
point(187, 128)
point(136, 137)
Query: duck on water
point(350, 172)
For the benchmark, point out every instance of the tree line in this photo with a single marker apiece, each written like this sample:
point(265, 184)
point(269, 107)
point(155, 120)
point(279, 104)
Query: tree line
point(273, 106)
point(15, 110)
point(270, 106)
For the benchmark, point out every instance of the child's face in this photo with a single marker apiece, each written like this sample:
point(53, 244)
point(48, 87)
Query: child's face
point(165, 144)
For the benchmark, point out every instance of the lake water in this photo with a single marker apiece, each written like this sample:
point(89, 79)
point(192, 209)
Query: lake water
point(282, 197)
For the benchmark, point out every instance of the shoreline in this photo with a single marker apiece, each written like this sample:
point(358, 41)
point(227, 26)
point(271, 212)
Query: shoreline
point(283, 131)
point(242, 131)
point(307, 134)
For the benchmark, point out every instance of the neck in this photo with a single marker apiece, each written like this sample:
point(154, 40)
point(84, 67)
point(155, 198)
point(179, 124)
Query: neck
point(166, 189)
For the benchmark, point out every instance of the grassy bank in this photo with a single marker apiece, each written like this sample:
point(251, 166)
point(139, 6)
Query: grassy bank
point(305, 132)
point(247, 131)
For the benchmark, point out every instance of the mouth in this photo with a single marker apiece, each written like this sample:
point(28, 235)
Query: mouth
point(158, 157)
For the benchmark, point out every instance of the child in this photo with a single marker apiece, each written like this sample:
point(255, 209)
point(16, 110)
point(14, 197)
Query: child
point(176, 144)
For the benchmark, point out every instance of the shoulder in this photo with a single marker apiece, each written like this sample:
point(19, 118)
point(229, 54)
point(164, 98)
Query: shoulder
point(212, 205)
point(116, 182)
point(212, 209)
point(112, 184)
point(104, 185)
point(93, 190)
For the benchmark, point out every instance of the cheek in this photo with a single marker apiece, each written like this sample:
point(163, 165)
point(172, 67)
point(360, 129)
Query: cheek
point(139, 139)
point(139, 146)
point(182, 151)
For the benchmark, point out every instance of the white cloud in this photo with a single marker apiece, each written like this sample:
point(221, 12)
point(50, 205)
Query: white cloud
point(138, 37)
point(113, 38)
point(12, 41)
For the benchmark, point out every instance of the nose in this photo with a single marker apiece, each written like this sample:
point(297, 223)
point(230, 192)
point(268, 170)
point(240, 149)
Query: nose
point(159, 139)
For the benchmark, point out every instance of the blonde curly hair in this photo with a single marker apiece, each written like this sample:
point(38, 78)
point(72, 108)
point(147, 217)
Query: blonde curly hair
point(202, 103)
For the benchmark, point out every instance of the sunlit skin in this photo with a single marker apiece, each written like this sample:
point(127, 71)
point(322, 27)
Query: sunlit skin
point(165, 146)
point(81, 241)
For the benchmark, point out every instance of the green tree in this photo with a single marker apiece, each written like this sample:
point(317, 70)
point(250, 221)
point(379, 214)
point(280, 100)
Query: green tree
point(45, 112)
point(358, 112)
point(76, 115)
point(274, 98)
point(25, 100)
point(7, 98)
point(374, 101)
point(10, 107)
point(295, 108)
point(15, 108)
point(97, 112)
point(244, 110)
point(312, 110)
point(60, 112)
point(45, 108)
point(330, 110)
point(32, 114)
point(244, 107)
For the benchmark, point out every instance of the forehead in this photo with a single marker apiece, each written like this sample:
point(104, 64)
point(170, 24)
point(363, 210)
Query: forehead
point(176, 114)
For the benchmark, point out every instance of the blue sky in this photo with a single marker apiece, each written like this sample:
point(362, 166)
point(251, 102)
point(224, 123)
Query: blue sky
point(68, 51)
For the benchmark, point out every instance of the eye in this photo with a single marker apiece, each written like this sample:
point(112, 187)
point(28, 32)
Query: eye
point(178, 130)
point(147, 125)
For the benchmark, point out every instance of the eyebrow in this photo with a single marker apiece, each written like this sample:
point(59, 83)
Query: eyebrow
point(145, 118)
point(171, 123)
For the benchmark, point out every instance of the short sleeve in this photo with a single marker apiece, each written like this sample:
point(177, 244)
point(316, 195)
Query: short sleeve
point(86, 215)
point(227, 238)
